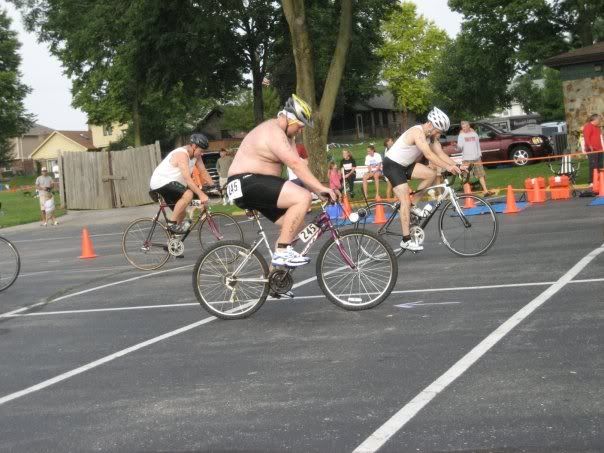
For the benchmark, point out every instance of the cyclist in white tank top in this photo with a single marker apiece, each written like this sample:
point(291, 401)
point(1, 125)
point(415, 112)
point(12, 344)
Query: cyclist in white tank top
point(172, 178)
point(400, 165)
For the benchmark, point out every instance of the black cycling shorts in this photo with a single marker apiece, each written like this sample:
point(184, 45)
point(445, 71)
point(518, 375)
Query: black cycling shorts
point(260, 192)
point(396, 173)
point(171, 193)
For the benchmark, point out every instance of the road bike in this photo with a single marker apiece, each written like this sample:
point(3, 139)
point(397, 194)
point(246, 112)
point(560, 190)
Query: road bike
point(355, 269)
point(10, 263)
point(147, 243)
point(467, 223)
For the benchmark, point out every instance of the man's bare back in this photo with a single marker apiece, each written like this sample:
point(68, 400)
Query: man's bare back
point(262, 149)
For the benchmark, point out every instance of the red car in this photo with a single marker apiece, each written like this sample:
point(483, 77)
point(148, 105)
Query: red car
point(498, 145)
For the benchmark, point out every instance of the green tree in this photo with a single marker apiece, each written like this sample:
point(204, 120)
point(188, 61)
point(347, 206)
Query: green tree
point(540, 91)
point(412, 46)
point(125, 65)
point(14, 120)
point(239, 114)
point(471, 77)
point(322, 93)
point(254, 24)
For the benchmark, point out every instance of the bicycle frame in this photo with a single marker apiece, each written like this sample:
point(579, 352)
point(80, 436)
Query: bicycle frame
point(323, 223)
point(447, 194)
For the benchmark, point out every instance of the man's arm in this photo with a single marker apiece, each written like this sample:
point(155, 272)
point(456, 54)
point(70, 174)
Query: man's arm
point(181, 161)
point(206, 178)
point(282, 148)
point(434, 153)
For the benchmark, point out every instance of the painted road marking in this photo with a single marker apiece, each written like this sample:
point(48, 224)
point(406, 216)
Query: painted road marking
point(420, 303)
point(380, 436)
point(96, 288)
point(318, 296)
point(65, 237)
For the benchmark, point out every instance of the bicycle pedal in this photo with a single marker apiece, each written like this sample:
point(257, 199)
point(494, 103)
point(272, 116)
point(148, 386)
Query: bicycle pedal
point(287, 295)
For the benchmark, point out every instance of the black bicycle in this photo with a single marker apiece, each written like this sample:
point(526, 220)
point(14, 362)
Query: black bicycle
point(467, 223)
point(10, 263)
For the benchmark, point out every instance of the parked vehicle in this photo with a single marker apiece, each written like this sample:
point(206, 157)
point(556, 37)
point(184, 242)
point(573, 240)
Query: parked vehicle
point(498, 145)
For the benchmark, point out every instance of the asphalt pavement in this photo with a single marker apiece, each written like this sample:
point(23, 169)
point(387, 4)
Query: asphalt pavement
point(499, 353)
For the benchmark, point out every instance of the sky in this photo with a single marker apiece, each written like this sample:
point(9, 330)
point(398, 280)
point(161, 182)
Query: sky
point(50, 98)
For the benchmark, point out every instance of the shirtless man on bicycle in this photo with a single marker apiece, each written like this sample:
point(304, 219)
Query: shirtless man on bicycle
point(400, 165)
point(255, 180)
point(172, 179)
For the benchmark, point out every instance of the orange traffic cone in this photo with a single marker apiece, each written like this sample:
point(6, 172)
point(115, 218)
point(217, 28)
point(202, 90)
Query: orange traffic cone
point(346, 209)
point(379, 217)
point(87, 248)
point(601, 193)
point(595, 188)
point(469, 202)
point(510, 202)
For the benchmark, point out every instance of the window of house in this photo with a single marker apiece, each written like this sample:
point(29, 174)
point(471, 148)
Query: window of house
point(107, 131)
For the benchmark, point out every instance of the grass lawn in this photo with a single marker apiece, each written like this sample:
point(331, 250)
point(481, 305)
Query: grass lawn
point(19, 207)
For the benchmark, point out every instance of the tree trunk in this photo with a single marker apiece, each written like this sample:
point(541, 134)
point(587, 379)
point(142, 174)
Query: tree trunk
point(584, 24)
point(136, 123)
point(315, 138)
point(405, 115)
point(257, 78)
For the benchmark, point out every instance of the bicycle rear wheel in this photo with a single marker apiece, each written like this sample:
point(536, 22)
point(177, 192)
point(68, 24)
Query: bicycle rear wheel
point(218, 226)
point(10, 264)
point(229, 284)
point(145, 244)
point(471, 232)
point(371, 279)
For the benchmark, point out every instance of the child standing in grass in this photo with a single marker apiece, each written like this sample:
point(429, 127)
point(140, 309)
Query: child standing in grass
point(335, 183)
point(49, 208)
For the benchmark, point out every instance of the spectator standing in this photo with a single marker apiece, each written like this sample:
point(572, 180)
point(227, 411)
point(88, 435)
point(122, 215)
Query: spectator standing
point(592, 134)
point(373, 161)
point(349, 165)
point(222, 167)
point(468, 143)
point(387, 145)
point(44, 188)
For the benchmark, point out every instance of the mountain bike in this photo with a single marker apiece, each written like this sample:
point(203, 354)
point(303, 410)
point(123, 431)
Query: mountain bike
point(467, 224)
point(232, 279)
point(10, 263)
point(147, 243)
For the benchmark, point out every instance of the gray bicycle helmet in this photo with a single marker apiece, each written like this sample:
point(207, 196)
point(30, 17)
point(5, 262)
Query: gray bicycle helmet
point(439, 119)
point(300, 109)
point(199, 140)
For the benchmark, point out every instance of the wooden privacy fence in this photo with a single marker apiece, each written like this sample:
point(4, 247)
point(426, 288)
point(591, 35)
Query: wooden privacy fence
point(107, 179)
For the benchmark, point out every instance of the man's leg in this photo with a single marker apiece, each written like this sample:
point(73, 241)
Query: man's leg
point(427, 175)
point(296, 200)
point(388, 189)
point(178, 214)
point(402, 193)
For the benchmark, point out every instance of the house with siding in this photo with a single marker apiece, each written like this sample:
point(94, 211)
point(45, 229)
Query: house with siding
point(25, 145)
point(47, 153)
point(582, 74)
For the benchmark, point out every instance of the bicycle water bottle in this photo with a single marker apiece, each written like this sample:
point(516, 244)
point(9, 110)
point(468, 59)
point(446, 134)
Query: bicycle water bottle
point(428, 209)
point(187, 224)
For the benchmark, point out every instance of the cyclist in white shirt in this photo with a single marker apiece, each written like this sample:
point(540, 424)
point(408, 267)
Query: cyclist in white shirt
point(172, 179)
point(400, 165)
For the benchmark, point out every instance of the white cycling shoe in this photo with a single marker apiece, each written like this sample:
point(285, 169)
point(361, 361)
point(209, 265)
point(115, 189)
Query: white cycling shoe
point(411, 245)
point(289, 257)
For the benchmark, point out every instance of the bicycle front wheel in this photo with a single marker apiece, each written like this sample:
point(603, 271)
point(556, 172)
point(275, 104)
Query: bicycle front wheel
point(357, 271)
point(229, 282)
point(471, 231)
point(10, 264)
point(218, 226)
point(145, 244)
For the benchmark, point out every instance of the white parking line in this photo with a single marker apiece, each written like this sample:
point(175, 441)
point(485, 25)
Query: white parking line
point(379, 437)
point(89, 290)
point(318, 296)
point(65, 237)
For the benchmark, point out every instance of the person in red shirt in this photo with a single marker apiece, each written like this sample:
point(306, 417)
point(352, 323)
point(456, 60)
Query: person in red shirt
point(592, 134)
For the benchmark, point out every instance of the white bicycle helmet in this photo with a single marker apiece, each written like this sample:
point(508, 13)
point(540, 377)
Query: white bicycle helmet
point(300, 109)
point(439, 119)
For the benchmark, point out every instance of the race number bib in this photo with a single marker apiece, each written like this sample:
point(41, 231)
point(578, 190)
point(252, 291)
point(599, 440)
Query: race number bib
point(234, 189)
point(307, 233)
